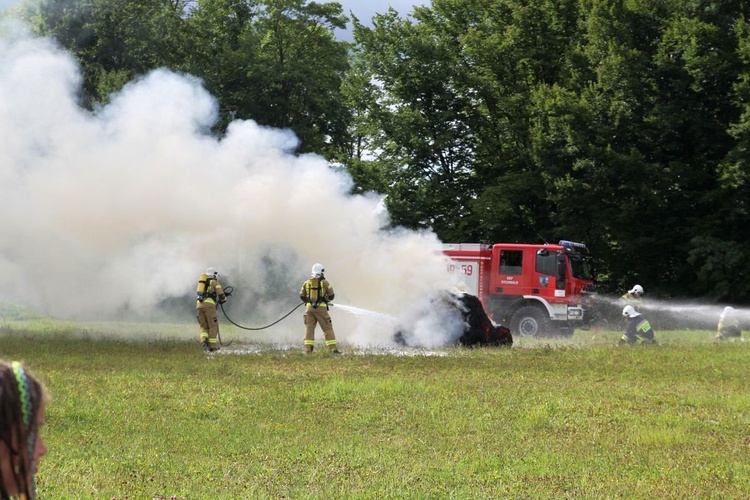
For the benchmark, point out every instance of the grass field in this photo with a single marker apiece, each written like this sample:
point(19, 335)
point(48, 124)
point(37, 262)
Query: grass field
point(545, 419)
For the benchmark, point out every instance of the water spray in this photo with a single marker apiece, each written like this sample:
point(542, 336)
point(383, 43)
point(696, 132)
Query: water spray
point(673, 314)
point(367, 314)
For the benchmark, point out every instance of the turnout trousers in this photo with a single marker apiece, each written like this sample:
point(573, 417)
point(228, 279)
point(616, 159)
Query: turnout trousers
point(313, 317)
point(208, 320)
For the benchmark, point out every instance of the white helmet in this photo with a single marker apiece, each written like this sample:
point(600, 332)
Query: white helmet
point(728, 311)
point(629, 312)
point(637, 289)
point(317, 270)
point(211, 272)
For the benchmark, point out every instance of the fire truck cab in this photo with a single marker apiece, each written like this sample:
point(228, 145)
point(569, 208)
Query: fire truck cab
point(535, 289)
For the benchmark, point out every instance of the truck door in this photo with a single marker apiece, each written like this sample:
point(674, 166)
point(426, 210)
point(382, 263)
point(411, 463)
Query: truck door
point(551, 269)
point(511, 272)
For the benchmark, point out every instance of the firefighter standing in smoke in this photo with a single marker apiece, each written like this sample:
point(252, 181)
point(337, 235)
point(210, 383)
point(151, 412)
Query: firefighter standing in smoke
point(209, 291)
point(316, 293)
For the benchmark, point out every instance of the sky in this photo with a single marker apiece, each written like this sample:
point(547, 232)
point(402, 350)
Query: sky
point(115, 212)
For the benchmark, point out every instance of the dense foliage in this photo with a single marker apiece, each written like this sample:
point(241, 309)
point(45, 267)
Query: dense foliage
point(624, 124)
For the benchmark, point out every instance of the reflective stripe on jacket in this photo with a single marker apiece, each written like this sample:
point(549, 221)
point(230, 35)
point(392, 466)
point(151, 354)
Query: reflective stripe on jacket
point(214, 290)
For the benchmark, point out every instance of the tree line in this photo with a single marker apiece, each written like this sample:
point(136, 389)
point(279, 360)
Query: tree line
point(621, 124)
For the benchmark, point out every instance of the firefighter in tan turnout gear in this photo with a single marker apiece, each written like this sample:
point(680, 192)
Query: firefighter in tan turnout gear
point(316, 293)
point(209, 291)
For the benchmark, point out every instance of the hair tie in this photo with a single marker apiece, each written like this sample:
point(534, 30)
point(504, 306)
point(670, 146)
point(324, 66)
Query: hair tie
point(23, 391)
point(27, 410)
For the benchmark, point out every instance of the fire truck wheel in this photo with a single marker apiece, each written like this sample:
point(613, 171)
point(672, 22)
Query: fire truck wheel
point(530, 321)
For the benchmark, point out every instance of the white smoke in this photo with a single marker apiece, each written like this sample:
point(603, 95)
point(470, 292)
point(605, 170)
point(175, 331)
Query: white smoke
point(115, 211)
point(436, 321)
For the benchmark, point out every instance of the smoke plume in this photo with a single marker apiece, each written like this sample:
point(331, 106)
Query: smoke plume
point(115, 213)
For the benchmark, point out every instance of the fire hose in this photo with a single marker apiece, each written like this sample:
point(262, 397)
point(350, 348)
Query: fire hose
point(261, 327)
point(228, 292)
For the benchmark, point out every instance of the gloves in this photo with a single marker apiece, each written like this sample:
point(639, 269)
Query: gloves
point(222, 299)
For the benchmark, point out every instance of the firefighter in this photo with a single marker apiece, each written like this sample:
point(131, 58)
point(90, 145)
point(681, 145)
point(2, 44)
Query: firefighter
point(637, 326)
point(209, 291)
point(634, 297)
point(729, 325)
point(317, 293)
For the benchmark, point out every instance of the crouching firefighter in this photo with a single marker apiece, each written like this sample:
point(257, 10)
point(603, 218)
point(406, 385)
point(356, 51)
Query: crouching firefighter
point(637, 326)
point(316, 293)
point(209, 291)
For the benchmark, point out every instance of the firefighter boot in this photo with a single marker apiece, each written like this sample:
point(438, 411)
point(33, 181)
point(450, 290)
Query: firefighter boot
point(308, 349)
point(204, 344)
point(625, 340)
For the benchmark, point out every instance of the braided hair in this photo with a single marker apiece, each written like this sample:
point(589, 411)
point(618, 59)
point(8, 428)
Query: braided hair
point(21, 398)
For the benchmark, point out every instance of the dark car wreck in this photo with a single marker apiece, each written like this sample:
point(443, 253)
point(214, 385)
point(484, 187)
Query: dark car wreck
point(472, 325)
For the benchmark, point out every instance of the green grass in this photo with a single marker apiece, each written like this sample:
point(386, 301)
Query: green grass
point(545, 419)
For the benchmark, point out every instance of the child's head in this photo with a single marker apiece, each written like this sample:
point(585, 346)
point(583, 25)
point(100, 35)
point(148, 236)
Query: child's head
point(22, 412)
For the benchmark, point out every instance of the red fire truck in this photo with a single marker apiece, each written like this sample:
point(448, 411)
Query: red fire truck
point(534, 289)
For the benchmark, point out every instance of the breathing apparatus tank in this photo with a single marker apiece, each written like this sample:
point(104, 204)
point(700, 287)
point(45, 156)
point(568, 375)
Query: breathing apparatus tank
point(202, 287)
point(204, 284)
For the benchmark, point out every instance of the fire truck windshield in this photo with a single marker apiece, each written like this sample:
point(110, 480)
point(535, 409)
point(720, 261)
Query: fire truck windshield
point(581, 267)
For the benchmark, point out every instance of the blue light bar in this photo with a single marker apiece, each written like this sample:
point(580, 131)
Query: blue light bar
point(572, 245)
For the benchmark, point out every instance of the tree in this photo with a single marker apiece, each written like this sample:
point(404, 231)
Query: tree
point(276, 62)
point(114, 40)
point(454, 113)
point(621, 124)
point(297, 72)
point(720, 254)
point(272, 61)
point(426, 149)
point(221, 52)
